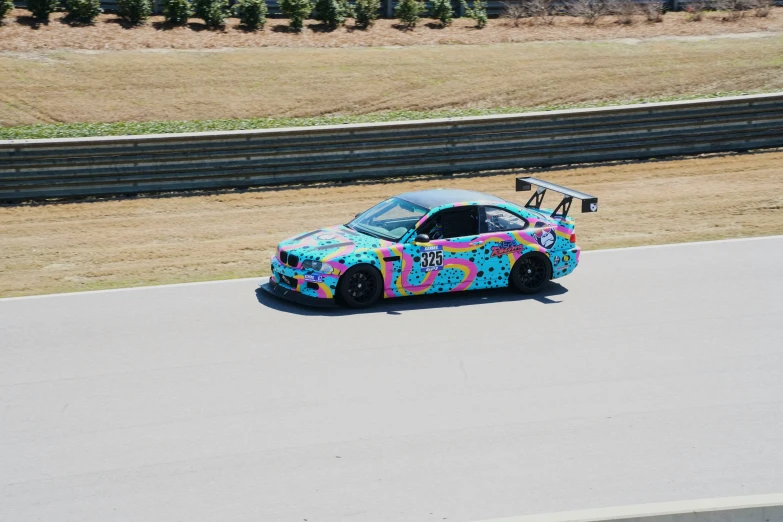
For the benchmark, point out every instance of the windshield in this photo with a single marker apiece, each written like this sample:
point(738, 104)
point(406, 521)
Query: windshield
point(390, 219)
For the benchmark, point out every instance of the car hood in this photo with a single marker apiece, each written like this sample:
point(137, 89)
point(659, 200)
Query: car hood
point(330, 242)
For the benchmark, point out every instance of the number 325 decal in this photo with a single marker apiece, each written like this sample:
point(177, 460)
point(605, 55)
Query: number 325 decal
point(431, 258)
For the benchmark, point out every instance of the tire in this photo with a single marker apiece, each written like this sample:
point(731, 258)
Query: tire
point(360, 286)
point(530, 273)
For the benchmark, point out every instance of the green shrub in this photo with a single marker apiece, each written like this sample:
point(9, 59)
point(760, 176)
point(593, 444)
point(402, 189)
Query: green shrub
point(199, 7)
point(332, 12)
point(252, 13)
point(5, 8)
point(213, 12)
point(177, 12)
point(366, 12)
point(215, 15)
point(84, 11)
point(478, 12)
point(409, 12)
point(441, 10)
point(134, 11)
point(41, 9)
point(297, 11)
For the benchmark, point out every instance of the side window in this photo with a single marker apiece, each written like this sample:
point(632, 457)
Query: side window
point(451, 223)
point(498, 220)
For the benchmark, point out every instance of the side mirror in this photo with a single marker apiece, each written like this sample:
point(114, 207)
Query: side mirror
point(422, 238)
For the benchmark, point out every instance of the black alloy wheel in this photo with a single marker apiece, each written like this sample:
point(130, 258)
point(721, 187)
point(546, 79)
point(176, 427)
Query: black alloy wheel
point(360, 286)
point(530, 273)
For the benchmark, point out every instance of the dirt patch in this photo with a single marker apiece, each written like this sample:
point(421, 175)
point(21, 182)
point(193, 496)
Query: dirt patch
point(134, 242)
point(19, 34)
point(92, 86)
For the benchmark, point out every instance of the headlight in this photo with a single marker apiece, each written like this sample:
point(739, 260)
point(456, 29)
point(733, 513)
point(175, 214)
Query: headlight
point(318, 266)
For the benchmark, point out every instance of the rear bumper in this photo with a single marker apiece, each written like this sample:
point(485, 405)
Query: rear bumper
point(288, 294)
point(564, 261)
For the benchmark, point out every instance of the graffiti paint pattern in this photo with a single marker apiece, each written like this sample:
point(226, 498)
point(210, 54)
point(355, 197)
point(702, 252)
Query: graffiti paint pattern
point(452, 265)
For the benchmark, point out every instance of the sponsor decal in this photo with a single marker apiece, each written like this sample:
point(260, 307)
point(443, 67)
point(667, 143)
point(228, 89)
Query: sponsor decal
point(431, 258)
point(557, 260)
point(505, 247)
point(313, 278)
point(545, 237)
point(593, 207)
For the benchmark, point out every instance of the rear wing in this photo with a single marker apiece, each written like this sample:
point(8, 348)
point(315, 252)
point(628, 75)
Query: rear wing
point(589, 203)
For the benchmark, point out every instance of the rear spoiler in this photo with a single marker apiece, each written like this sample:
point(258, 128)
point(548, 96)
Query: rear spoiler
point(589, 203)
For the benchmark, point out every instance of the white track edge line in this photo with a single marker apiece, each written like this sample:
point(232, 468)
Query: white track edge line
point(263, 279)
point(678, 510)
point(690, 243)
point(135, 288)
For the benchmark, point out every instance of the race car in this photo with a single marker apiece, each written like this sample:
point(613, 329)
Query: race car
point(432, 241)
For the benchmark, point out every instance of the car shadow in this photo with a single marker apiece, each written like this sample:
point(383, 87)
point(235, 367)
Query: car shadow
point(31, 21)
point(402, 305)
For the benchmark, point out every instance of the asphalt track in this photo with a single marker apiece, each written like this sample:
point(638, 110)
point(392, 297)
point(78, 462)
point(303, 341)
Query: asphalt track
point(650, 374)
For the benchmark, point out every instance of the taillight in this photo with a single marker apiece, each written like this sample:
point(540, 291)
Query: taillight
point(573, 238)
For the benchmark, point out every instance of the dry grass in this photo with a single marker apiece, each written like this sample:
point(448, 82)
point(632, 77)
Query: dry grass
point(20, 34)
point(130, 242)
point(71, 86)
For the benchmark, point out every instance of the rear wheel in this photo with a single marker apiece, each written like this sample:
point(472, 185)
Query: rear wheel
point(530, 273)
point(360, 286)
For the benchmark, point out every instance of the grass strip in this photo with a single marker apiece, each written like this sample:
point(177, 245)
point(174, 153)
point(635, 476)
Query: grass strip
point(127, 128)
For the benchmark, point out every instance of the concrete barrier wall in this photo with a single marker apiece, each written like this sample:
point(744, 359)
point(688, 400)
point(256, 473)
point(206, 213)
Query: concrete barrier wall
point(31, 169)
point(757, 508)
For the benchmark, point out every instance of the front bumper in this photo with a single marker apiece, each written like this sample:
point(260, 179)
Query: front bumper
point(278, 290)
point(302, 286)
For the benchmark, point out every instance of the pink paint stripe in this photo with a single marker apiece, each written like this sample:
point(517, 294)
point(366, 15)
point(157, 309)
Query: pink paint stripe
point(425, 285)
point(469, 278)
point(407, 264)
point(388, 275)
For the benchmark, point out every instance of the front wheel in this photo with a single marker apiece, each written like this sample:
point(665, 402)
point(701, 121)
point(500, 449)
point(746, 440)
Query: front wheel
point(360, 286)
point(530, 273)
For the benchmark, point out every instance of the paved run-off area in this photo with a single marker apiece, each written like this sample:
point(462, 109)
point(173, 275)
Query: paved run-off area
point(132, 242)
point(649, 374)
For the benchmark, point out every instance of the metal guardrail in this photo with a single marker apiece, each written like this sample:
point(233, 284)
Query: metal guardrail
point(31, 169)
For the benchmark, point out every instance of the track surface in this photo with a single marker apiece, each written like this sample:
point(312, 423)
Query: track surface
point(651, 374)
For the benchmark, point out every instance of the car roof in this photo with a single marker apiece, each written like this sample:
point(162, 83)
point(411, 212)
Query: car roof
point(438, 197)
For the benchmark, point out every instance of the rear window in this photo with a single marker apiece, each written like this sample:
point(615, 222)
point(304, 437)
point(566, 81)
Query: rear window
point(498, 220)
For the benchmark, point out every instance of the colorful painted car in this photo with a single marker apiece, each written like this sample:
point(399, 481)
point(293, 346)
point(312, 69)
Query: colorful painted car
point(429, 242)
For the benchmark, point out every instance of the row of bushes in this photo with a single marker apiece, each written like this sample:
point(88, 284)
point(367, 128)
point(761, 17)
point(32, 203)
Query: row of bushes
point(590, 11)
point(253, 13)
point(84, 11)
point(333, 13)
